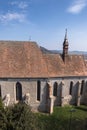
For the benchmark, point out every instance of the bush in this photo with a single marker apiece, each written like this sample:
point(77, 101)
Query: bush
point(1, 104)
point(18, 117)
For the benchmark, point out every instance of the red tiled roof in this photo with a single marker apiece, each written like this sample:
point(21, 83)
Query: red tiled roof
point(26, 60)
point(74, 65)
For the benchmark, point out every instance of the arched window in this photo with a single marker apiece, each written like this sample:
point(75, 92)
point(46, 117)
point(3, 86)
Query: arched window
point(71, 87)
point(38, 90)
point(18, 91)
point(82, 85)
point(55, 89)
point(0, 90)
point(47, 91)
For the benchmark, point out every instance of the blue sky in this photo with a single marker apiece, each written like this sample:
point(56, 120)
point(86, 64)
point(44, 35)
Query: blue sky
point(45, 21)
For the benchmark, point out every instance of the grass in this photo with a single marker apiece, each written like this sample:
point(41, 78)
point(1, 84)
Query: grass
point(64, 118)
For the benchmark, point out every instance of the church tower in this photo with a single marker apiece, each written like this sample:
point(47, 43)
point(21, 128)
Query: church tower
point(65, 46)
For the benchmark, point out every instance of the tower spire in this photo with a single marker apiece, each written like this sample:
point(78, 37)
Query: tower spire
point(65, 39)
point(66, 33)
point(65, 45)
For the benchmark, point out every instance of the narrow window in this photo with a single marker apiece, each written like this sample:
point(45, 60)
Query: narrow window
point(18, 91)
point(55, 89)
point(0, 90)
point(71, 87)
point(82, 85)
point(38, 90)
point(47, 91)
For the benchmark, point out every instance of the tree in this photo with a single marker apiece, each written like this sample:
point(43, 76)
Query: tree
point(1, 104)
point(24, 119)
point(18, 117)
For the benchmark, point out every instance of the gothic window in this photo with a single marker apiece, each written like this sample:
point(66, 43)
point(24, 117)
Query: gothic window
point(55, 89)
point(0, 90)
point(71, 87)
point(82, 85)
point(38, 90)
point(47, 91)
point(18, 91)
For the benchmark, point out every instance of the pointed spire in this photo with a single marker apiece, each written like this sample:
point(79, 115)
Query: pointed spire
point(66, 33)
point(65, 39)
point(65, 45)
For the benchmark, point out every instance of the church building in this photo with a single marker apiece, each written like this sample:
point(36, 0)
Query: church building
point(41, 80)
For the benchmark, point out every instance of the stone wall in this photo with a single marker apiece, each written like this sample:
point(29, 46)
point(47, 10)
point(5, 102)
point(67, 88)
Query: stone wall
point(29, 87)
point(9, 87)
point(64, 97)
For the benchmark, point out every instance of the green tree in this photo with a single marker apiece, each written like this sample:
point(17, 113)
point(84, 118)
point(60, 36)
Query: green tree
point(18, 117)
point(6, 119)
point(24, 119)
point(1, 104)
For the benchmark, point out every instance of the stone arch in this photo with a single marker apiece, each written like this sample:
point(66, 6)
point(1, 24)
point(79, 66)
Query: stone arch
point(55, 88)
point(18, 91)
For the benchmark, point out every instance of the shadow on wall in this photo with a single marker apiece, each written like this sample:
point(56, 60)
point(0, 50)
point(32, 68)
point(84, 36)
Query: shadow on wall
point(78, 93)
point(82, 92)
point(74, 92)
point(57, 95)
point(44, 102)
point(85, 94)
point(43, 107)
point(58, 100)
point(73, 97)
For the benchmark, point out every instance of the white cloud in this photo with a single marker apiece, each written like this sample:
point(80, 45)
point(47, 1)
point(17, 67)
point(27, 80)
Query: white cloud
point(19, 16)
point(77, 6)
point(21, 5)
point(4, 18)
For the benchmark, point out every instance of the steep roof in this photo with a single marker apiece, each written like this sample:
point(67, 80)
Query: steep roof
point(74, 65)
point(26, 60)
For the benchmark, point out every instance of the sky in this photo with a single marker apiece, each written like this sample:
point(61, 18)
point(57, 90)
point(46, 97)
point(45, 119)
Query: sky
point(45, 22)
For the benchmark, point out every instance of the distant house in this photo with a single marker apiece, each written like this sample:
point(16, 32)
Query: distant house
point(39, 79)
